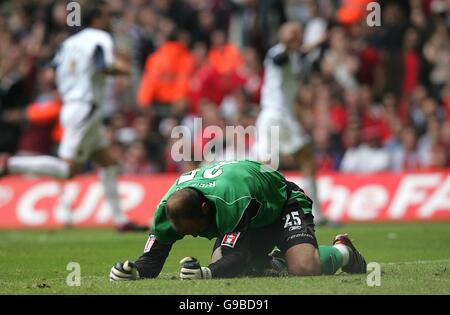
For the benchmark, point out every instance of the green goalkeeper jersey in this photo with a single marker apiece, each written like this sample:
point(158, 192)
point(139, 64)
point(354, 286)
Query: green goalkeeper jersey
point(244, 195)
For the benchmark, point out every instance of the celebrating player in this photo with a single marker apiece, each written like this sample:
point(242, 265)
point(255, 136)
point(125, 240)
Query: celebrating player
point(82, 62)
point(282, 73)
point(250, 209)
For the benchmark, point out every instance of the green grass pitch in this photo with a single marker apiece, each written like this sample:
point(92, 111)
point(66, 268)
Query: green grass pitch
point(414, 259)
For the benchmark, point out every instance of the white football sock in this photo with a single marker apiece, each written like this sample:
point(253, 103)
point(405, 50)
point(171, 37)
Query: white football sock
point(311, 190)
point(344, 252)
point(39, 165)
point(63, 210)
point(108, 177)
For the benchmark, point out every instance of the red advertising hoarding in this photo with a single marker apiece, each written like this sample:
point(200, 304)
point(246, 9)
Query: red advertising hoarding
point(36, 203)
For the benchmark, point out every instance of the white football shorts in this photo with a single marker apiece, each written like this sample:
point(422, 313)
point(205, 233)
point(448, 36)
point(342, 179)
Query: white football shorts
point(83, 132)
point(277, 131)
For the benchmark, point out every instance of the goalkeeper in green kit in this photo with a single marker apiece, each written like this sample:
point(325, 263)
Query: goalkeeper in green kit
point(263, 225)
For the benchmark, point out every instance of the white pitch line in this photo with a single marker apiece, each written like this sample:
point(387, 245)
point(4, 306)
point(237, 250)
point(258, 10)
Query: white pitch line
point(416, 262)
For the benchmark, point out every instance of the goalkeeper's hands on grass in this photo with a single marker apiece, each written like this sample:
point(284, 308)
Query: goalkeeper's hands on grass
point(191, 269)
point(124, 271)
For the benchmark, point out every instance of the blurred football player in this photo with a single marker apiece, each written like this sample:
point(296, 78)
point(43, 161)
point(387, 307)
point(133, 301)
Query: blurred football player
point(250, 209)
point(81, 64)
point(282, 77)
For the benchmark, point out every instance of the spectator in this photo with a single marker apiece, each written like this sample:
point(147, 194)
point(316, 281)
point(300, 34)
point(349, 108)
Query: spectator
point(136, 161)
point(250, 74)
point(406, 157)
point(239, 143)
point(224, 56)
point(445, 135)
point(429, 141)
point(411, 61)
point(206, 82)
point(394, 23)
point(339, 62)
point(437, 53)
point(392, 79)
point(166, 76)
point(208, 143)
point(204, 27)
point(394, 122)
point(439, 158)
point(327, 157)
point(368, 157)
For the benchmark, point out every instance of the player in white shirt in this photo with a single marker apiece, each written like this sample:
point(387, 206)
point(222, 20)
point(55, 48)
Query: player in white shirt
point(282, 73)
point(82, 63)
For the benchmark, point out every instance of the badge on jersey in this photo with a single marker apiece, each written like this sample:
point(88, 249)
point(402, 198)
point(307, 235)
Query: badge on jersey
point(151, 240)
point(230, 239)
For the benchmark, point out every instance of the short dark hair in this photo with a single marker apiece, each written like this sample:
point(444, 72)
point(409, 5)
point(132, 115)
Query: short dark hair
point(90, 11)
point(185, 203)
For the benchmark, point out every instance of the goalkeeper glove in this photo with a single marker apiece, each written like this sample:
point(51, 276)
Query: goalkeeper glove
point(124, 271)
point(191, 269)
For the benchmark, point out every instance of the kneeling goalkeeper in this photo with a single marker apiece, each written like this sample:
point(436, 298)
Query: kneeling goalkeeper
point(250, 209)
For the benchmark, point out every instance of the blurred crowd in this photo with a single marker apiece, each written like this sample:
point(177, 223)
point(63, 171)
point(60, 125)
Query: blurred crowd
point(373, 98)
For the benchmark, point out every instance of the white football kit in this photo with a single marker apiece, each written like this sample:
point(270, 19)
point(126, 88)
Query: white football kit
point(81, 84)
point(278, 95)
point(79, 64)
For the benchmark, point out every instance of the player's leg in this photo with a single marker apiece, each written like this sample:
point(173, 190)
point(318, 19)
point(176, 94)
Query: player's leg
point(303, 260)
point(342, 254)
point(291, 141)
point(77, 120)
point(299, 244)
point(307, 163)
point(261, 149)
point(64, 167)
point(230, 255)
point(64, 206)
point(108, 175)
point(42, 165)
point(96, 148)
point(248, 253)
point(354, 262)
point(297, 240)
point(304, 154)
point(242, 254)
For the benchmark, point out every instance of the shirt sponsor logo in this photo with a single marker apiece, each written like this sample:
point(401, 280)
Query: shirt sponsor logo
point(230, 239)
point(151, 240)
point(300, 235)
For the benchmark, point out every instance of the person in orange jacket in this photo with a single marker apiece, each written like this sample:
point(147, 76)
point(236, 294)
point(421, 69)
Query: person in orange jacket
point(224, 56)
point(166, 75)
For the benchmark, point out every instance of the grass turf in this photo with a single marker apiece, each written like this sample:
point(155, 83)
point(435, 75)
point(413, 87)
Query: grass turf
point(414, 258)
